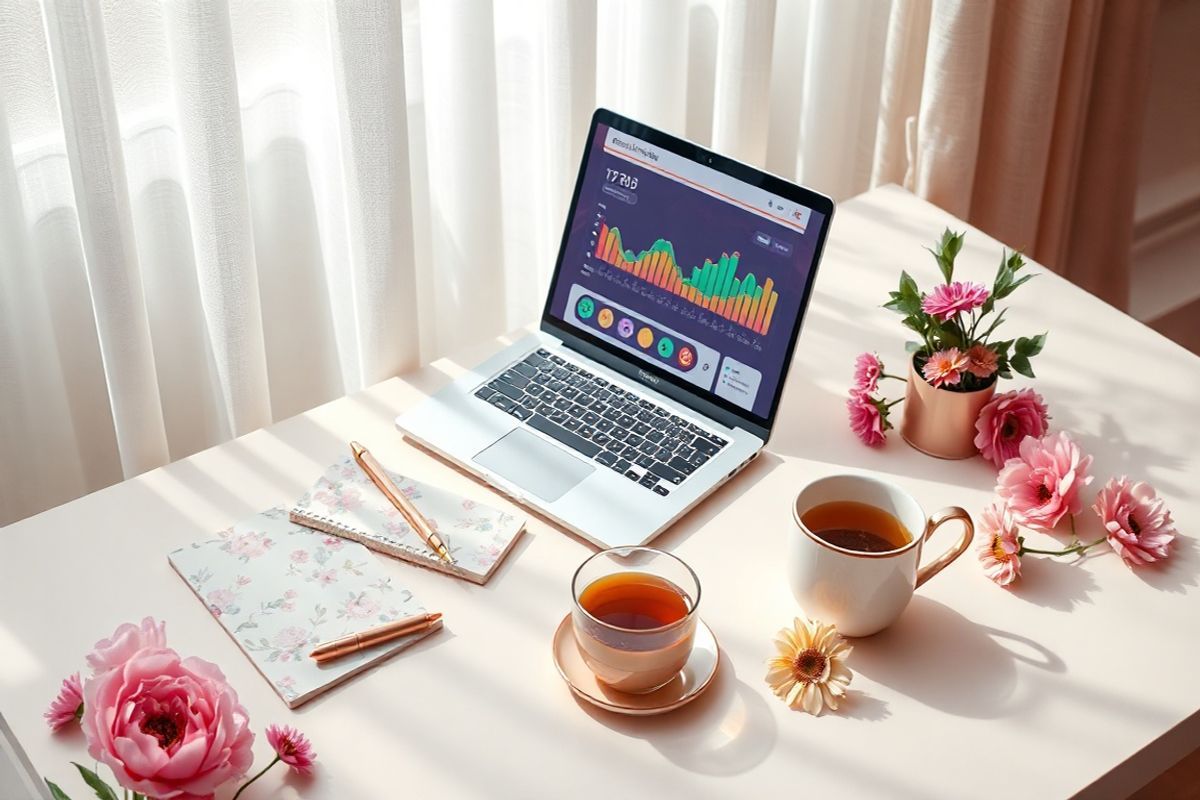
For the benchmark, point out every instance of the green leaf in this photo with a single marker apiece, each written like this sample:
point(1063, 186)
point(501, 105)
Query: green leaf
point(1030, 347)
point(102, 789)
point(55, 792)
point(1015, 261)
point(908, 287)
point(1011, 287)
point(1020, 363)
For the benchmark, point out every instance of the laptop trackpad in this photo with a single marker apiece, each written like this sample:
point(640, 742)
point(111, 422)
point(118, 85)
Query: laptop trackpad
point(534, 464)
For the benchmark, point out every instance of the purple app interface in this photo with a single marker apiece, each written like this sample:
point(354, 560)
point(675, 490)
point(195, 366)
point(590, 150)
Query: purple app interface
point(686, 268)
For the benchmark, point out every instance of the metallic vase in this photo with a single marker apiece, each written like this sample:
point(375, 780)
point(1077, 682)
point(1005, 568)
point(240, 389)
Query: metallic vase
point(939, 422)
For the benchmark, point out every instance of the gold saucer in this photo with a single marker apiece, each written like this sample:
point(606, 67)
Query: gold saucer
point(685, 687)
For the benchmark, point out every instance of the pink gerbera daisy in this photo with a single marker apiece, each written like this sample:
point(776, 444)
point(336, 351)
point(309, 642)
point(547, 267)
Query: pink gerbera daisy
point(292, 747)
point(999, 548)
point(945, 367)
point(867, 369)
point(868, 418)
point(1138, 525)
point(68, 706)
point(949, 299)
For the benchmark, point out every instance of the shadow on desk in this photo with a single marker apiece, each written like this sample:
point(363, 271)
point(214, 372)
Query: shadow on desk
point(727, 731)
point(937, 656)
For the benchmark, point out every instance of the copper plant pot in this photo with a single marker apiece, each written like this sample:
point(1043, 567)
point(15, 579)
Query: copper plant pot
point(939, 422)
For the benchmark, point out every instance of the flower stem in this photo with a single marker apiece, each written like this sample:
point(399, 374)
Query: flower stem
point(256, 777)
point(893, 377)
point(1074, 535)
point(894, 402)
point(1078, 547)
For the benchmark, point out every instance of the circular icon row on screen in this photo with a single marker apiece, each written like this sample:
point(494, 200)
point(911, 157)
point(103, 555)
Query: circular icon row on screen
point(681, 355)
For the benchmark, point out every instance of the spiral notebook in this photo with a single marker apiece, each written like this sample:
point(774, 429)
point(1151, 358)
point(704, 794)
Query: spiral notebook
point(344, 502)
point(280, 589)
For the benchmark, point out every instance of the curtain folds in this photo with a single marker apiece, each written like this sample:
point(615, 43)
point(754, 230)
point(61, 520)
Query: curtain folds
point(218, 213)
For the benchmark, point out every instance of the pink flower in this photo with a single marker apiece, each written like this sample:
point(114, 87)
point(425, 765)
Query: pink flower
point(944, 367)
point(292, 747)
point(867, 369)
point(1139, 527)
point(1041, 485)
point(949, 299)
point(981, 361)
point(68, 706)
point(125, 641)
point(167, 727)
point(999, 550)
point(1005, 422)
point(332, 542)
point(299, 556)
point(868, 418)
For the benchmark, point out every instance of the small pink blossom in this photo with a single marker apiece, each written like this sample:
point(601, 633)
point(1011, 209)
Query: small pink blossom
point(868, 418)
point(290, 638)
point(1005, 422)
point(982, 361)
point(249, 545)
point(361, 607)
point(332, 542)
point(126, 640)
point(1041, 485)
point(1138, 525)
point(299, 556)
point(292, 747)
point(999, 549)
point(68, 706)
point(945, 367)
point(324, 577)
point(867, 369)
point(949, 299)
point(221, 601)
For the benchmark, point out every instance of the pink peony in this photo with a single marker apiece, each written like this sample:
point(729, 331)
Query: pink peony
point(1005, 422)
point(999, 550)
point(1041, 485)
point(67, 707)
point(125, 641)
point(1139, 527)
point(949, 299)
point(867, 419)
point(982, 361)
point(944, 367)
point(167, 727)
point(867, 369)
point(292, 747)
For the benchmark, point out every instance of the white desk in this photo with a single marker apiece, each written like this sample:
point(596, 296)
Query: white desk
point(1082, 679)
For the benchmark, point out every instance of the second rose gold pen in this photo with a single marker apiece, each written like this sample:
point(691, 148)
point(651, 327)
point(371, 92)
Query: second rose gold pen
point(415, 518)
point(346, 645)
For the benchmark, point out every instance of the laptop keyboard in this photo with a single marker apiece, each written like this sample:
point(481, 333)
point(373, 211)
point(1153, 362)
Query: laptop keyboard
point(612, 426)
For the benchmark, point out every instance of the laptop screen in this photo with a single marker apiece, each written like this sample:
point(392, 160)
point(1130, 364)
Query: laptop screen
point(686, 268)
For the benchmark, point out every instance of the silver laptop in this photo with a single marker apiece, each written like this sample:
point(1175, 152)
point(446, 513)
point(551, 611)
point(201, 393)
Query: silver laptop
point(668, 330)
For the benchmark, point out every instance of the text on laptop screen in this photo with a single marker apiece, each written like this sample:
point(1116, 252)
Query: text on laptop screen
point(686, 268)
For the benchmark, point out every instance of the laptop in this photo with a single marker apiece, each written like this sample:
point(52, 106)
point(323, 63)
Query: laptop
point(673, 310)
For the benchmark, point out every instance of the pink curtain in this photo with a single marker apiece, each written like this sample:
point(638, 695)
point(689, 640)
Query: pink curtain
point(1024, 118)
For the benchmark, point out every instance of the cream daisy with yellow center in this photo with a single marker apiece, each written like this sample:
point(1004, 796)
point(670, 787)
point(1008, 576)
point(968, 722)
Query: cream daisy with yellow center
point(810, 671)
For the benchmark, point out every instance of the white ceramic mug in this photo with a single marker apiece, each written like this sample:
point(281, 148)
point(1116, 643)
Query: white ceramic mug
point(860, 592)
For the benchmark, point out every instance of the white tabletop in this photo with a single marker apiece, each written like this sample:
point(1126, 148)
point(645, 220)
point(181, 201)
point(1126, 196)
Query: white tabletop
point(1081, 679)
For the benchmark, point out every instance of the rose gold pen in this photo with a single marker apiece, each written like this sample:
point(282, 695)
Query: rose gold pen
point(415, 518)
point(373, 636)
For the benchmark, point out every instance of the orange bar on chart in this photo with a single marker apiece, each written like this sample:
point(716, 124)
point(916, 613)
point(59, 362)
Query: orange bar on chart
point(766, 325)
point(656, 271)
point(767, 291)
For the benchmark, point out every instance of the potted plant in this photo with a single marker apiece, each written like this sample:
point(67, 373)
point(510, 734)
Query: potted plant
point(957, 360)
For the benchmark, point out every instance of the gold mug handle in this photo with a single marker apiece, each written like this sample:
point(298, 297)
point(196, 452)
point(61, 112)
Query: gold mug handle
point(937, 520)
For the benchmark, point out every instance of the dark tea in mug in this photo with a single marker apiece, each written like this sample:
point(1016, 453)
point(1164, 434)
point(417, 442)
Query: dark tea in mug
point(856, 526)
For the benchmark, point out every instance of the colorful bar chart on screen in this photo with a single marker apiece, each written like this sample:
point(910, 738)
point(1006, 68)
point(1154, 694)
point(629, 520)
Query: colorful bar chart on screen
point(715, 286)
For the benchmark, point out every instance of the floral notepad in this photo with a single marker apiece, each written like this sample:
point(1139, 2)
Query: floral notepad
point(344, 502)
point(280, 589)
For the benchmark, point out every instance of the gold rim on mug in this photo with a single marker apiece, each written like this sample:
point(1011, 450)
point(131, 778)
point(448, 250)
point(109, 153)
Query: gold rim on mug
point(630, 549)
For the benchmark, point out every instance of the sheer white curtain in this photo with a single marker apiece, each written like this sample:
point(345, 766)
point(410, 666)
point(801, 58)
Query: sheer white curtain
point(217, 213)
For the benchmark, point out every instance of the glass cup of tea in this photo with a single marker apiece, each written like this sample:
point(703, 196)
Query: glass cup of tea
point(634, 616)
point(856, 556)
